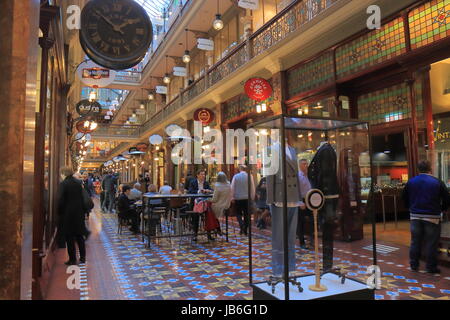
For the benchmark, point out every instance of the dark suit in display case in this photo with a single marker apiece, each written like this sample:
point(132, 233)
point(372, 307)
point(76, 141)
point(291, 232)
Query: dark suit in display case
point(322, 174)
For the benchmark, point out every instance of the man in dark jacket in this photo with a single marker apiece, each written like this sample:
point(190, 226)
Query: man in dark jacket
point(199, 185)
point(108, 186)
point(126, 211)
point(426, 197)
point(71, 212)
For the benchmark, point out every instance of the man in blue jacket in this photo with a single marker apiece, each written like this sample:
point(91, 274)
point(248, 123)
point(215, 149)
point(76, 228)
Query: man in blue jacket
point(426, 197)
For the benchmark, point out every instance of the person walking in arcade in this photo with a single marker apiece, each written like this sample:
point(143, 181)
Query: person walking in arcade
point(427, 198)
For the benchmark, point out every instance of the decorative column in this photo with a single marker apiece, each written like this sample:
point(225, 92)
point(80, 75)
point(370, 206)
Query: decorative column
point(19, 27)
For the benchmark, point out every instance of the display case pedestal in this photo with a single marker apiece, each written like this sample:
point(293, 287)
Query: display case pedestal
point(351, 290)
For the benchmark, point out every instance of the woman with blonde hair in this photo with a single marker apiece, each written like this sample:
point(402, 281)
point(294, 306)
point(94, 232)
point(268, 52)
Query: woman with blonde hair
point(222, 196)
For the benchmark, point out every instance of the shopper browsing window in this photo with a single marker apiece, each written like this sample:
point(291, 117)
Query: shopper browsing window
point(426, 197)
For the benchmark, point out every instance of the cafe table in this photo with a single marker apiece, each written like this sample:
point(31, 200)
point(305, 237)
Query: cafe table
point(177, 228)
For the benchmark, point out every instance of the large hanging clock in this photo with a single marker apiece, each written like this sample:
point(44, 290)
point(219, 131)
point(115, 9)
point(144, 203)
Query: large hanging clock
point(115, 34)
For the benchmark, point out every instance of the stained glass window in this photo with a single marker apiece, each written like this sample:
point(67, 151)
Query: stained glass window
point(386, 105)
point(317, 73)
point(371, 49)
point(429, 23)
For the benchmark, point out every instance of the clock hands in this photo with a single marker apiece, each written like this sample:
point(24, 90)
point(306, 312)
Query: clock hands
point(112, 24)
point(128, 22)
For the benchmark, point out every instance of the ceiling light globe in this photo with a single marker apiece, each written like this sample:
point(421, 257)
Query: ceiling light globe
point(218, 23)
point(186, 57)
point(166, 79)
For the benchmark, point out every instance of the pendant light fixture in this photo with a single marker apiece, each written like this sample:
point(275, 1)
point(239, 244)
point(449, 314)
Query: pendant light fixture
point(166, 78)
point(218, 23)
point(187, 56)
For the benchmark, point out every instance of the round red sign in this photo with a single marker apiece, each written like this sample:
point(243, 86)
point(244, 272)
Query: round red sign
point(204, 115)
point(258, 89)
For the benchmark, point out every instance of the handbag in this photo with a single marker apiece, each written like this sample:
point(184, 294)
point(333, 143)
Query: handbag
point(211, 222)
point(200, 206)
point(87, 201)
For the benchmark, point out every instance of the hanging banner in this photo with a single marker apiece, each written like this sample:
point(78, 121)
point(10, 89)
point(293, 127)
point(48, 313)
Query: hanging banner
point(93, 75)
point(249, 4)
point(86, 107)
point(179, 71)
point(140, 112)
point(258, 89)
point(161, 90)
point(205, 44)
point(204, 115)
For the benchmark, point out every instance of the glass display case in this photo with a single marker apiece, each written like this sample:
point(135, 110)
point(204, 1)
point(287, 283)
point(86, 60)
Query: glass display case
point(333, 156)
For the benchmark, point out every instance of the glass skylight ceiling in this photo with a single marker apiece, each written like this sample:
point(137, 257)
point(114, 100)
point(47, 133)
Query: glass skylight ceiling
point(154, 8)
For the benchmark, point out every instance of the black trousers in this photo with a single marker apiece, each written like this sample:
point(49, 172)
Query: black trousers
point(70, 241)
point(134, 217)
point(327, 216)
point(242, 214)
point(301, 226)
point(426, 234)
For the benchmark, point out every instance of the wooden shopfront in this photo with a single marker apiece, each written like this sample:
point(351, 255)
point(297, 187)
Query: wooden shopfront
point(383, 77)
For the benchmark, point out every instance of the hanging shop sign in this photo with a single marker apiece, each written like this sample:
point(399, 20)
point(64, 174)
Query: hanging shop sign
point(142, 147)
point(83, 129)
point(205, 44)
point(258, 89)
point(93, 75)
point(204, 115)
point(86, 107)
point(249, 4)
point(161, 89)
point(115, 34)
point(179, 71)
point(140, 112)
point(135, 152)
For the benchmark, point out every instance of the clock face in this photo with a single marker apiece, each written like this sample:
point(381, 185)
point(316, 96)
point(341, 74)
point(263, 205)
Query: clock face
point(116, 34)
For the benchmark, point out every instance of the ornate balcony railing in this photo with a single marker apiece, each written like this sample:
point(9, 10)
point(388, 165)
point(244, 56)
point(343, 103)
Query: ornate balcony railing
point(235, 59)
point(127, 132)
point(288, 21)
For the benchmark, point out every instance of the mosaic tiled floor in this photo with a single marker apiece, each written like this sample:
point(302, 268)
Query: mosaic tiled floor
point(121, 267)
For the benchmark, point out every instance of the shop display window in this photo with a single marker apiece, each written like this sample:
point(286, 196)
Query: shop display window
point(323, 108)
point(339, 157)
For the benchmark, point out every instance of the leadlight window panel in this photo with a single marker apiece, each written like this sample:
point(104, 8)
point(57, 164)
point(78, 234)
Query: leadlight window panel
point(429, 23)
point(371, 49)
point(386, 105)
point(311, 75)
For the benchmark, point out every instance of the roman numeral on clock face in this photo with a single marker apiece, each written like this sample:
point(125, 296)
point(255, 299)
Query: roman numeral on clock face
point(116, 51)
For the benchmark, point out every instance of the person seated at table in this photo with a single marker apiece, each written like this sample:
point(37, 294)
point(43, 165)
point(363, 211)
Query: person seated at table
point(135, 193)
point(153, 191)
point(127, 210)
point(221, 199)
point(166, 189)
point(198, 186)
